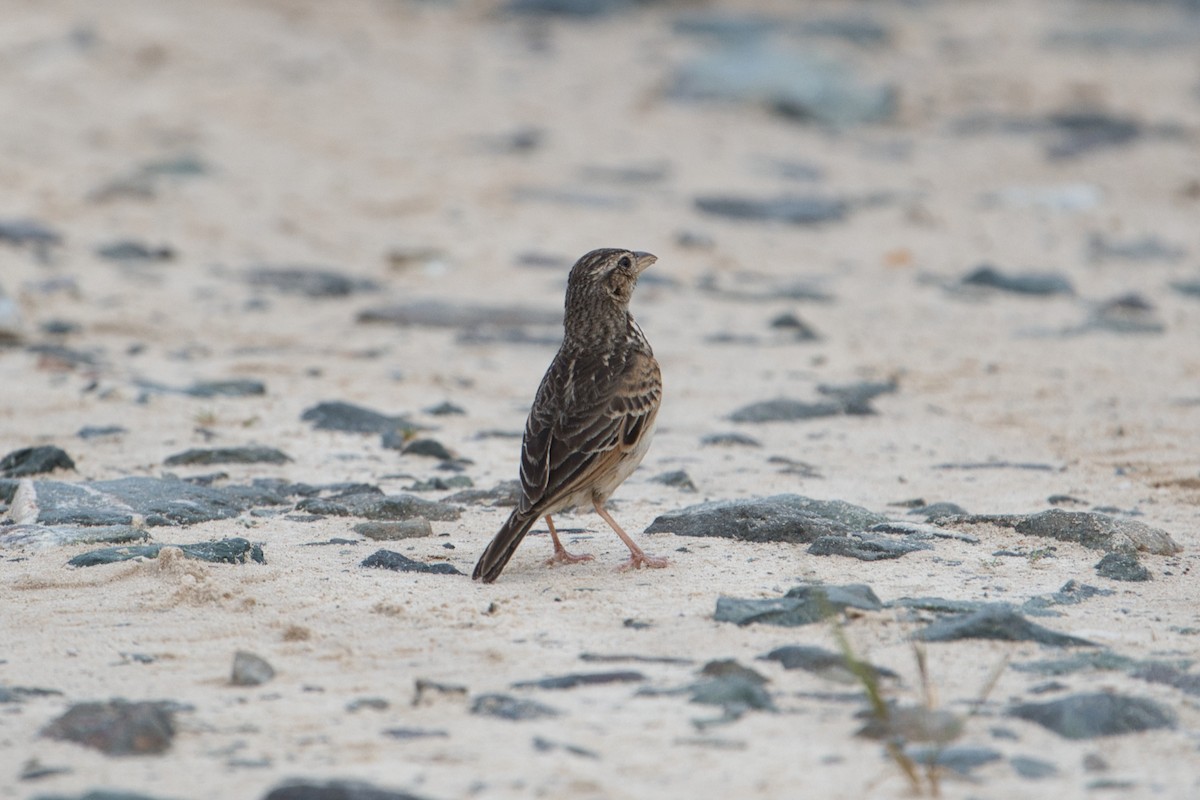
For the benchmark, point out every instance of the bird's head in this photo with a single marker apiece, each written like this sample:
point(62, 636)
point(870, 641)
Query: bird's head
point(604, 279)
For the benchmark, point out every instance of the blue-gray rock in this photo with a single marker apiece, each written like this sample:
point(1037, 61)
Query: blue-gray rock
point(1188, 288)
point(543, 745)
point(1088, 716)
point(446, 409)
point(1101, 248)
point(98, 431)
point(1079, 662)
point(729, 440)
point(340, 416)
point(335, 790)
point(1032, 768)
point(308, 281)
point(504, 494)
point(778, 518)
point(961, 759)
point(1169, 674)
point(789, 209)
point(938, 605)
point(570, 8)
point(1122, 567)
point(250, 669)
point(800, 87)
point(677, 479)
point(735, 694)
point(117, 727)
point(34, 461)
point(388, 559)
point(1079, 133)
point(130, 251)
point(511, 708)
point(234, 387)
point(802, 605)
point(380, 506)
point(159, 501)
point(996, 621)
point(864, 547)
point(1072, 593)
point(234, 550)
point(1098, 531)
point(430, 448)
point(576, 679)
point(1031, 283)
point(825, 663)
point(249, 454)
point(416, 528)
point(21, 232)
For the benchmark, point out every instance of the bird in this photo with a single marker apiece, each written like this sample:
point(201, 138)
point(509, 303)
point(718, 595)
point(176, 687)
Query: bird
point(593, 414)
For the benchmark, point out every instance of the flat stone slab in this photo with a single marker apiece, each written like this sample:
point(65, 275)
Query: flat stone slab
point(117, 727)
point(802, 605)
point(388, 559)
point(226, 551)
point(778, 518)
point(996, 621)
point(372, 505)
point(1089, 716)
point(156, 501)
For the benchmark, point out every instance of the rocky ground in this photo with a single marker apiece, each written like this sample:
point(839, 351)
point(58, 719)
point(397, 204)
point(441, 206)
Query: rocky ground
point(278, 280)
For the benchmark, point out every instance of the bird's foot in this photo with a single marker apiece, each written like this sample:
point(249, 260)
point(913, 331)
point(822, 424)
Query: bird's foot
point(561, 556)
point(639, 559)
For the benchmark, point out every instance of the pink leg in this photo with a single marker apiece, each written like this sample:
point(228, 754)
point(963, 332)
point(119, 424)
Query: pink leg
point(637, 559)
point(561, 556)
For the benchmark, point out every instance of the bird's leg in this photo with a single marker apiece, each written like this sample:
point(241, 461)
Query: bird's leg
point(561, 556)
point(637, 559)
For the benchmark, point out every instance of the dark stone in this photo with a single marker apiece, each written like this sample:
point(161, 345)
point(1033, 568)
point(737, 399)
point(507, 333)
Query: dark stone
point(511, 708)
point(404, 734)
point(735, 694)
point(1032, 768)
point(1087, 716)
point(436, 314)
point(1072, 593)
point(996, 621)
point(1158, 672)
point(127, 250)
point(779, 518)
point(308, 281)
point(959, 759)
point(387, 559)
point(1098, 531)
point(800, 330)
point(1144, 248)
point(42, 535)
point(416, 528)
point(34, 461)
point(1079, 662)
point(226, 551)
point(581, 679)
point(159, 501)
point(118, 727)
point(610, 658)
point(795, 86)
point(250, 669)
point(250, 454)
point(334, 790)
point(794, 210)
point(677, 479)
point(1032, 283)
point(1190, 288)
point(822, 662)
point(18, 694)
point(430, 448)
point(569, 8)
point(21, 232)
point(98, 431)
point(60, 327)
point(938, 605)
point(380, 506)
point(439, 484)
point(339, 416)
point(853, 399)
point(864, 547)
point(505, 493)
point(921, 532)
point(802, 605)
point(1077, 133)
point(234, 387)
point(446, 409)
point(1122, 567)
point(730, 440)
point(547, 746)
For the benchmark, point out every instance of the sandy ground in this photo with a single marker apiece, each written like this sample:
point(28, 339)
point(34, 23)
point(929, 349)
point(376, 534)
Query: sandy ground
point(338, 135)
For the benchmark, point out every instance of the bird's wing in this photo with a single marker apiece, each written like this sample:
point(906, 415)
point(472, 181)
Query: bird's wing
point(586, 412)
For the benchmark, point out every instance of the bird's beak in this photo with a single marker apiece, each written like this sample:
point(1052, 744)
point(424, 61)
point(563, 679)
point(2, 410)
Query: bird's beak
point(643, 260)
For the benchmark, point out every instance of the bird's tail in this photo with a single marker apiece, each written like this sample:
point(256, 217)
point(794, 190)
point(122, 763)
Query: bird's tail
point(502, 546)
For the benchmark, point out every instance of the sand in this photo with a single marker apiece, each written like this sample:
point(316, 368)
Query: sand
point(347, 135)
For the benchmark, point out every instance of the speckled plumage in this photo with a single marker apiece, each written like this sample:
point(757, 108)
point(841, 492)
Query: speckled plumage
point(593, 415)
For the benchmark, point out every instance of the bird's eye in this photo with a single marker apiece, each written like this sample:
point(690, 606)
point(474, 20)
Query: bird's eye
point(625, 263)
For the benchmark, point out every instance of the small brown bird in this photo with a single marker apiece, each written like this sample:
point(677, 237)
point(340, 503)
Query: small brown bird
point(593, 415)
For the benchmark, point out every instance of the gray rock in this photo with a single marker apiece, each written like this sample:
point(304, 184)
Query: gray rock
point(334, 790)
point(854, 399)
point(250, 669)
point(1031, 283)
point(430, 448)
point(504, 493)
point(802, 605)
point(779, 518)
point(938, 605)
point(677, 479)
point(117, 727)
point(570, 8)
point(735, 694)
point(1072, 593)
point(159, 501)
point(1189, 288)
point(339, 416)
point(446, 409)
point(1088, 716)
point(34, 461)
point(416, 528)
point(1079, 662)
point(921, 532)
point(1169, 674)
point(234, 387)
point(1100, 248)
point(59, 535)
point(511, 708)
point(387, 559)
point(789, 209)
point(729, 440)
point(308, 281)
point(380, 506)
point(249, 454)
point(546, 746)
point(825, 663)
point(576, 679)
point(1032, 768)
point(129, 251)
point(961, 759)
point(436, 314)
point(864, 547)
point(226, 551)
point(1098, 531)
point(1079, 133)
point(1122, 567)
point(793, 85)
point(405, 734)
point(99, 431)
point(996, 621)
